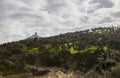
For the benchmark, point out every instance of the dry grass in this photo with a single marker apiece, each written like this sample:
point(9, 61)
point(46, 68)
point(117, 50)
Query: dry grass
point(57, 73)
point(52, 74)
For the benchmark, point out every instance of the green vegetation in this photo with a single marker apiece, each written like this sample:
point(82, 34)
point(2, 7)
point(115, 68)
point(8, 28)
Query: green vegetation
point(81, 51)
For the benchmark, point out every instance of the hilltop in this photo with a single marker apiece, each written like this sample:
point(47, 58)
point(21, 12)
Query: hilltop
point(82, 51)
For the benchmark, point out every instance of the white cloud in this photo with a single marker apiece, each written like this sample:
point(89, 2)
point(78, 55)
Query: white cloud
point(21, 18)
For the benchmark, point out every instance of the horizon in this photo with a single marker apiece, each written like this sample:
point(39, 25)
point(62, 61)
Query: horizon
point(19, 19)
point(56, 34)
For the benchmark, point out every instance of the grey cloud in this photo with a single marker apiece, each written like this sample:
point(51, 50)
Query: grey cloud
point(91, 11)
point(98, 4)
point(28, 2)
point(104, 3)
point(106, 20)
point(25, 9)
point(84, 19)
point(116, 14)
point(55, 5)
point(25, 15)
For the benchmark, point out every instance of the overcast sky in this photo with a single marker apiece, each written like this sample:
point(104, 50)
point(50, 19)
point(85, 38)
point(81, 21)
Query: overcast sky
point(21, 18)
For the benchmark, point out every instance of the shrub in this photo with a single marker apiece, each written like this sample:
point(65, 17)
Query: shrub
point(115, 72)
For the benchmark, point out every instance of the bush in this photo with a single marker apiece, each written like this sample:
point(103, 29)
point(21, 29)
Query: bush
point(115, 72)
point(92, 74)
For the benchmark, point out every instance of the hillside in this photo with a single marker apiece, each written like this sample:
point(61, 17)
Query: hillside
point(81, 51)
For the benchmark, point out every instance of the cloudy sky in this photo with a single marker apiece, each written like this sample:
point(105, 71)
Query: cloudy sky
point(21, 18)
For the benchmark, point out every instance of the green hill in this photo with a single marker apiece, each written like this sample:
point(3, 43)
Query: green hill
point(81, 50)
